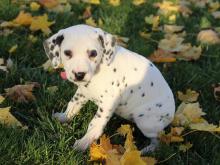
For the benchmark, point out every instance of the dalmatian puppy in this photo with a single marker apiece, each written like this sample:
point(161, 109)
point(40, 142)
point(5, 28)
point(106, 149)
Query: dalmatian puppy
point(116, 79)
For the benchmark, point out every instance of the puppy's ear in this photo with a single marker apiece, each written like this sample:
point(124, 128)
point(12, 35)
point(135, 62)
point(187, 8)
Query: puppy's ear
point(108, 43)
point(52, 47)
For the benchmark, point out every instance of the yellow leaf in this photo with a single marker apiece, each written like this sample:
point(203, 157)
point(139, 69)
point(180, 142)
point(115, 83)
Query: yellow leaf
point(177, 130)
point(34, 6)
point(205, 126)
point(167, 7)
point(94, 2)
point(49, 3)
point(190, 96)
point(114, 2)
point(149, 160)
point(173, 28)
point(41, 23)
point(170, 138)
point(125, 130)
point(138, 2)
point(132, 158)
point(32, 38)
point(13, 49)
point(187, 114)
point(191, 53)
point(185, 147)
point(145, 35)
point(7, 118)
point(1, 99)
point(208, 36)
point(23, 18)
point(90, 21)
point(97, 152)
point(22, 93)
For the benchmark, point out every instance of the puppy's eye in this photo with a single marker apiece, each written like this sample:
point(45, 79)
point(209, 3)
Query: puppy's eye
point(92, 53)
point(68, 53)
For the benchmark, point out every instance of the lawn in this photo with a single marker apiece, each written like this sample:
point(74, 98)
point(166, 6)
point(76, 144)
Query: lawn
point(46, 141)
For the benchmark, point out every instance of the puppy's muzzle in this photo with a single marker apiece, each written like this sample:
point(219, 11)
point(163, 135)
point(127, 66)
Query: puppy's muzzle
point(79, 75)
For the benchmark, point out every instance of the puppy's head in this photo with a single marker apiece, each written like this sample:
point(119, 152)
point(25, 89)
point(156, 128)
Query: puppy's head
point(80, 49)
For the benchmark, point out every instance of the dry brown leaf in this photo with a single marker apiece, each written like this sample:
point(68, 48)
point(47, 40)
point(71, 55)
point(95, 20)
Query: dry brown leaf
point(190, 96)
point(208, 37)
point(122, 41)
point(162, 56)
point(87, 13)
point(169, 138)
point(22, 93)
point(173, 28)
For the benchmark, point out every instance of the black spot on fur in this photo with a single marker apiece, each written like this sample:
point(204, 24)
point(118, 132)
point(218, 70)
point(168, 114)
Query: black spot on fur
point(107, 117)
point(112, 82)
point(54, 41)
point(76, 98)
point(143, 94)
point(50, 55)
point(139, 87)
point(118, 84)
point(114, 69)
point(52, 47)
point(104, 51)
point(57, 53)
point(135, 69)
point(159, 105)
point(108, 51)
point(98, 115)
point(101, 96)
point(126, 85)
point(101, 110)
point(151, 84)
point(106, 91)
point(131, 91)
point(151, 65)
point(101, 41)
point(59, 40)
point(140, 115)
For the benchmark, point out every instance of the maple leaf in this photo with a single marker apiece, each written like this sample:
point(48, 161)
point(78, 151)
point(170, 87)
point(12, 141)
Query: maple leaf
point(49, 3)
point(114, 2)
point(205, 126)
point(154, 21)
point(34, 6)
point(90, 21)
point(190, 96)
point(22, 93)
point(188, 113)
point(23, 19)
point(185, 147)
point(126, 130)
point(41, 23)
point(162, 56)
point(132, 158)
point(138, 2)
point(7, 118)
point(174, 136)
point(208, 37)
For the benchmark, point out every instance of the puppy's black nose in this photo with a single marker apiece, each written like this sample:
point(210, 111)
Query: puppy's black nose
point(80, 75)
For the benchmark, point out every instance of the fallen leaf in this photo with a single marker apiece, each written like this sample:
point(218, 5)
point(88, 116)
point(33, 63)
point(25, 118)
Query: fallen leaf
point(185, 147)
point(208, 37)
point(94, 2)
point(91, 22)
point(2, 65)
point(34, 6)
point(144, 34)
point(153, 20)
point(205, 23)
point(49, 3)
point(41, 23)
point(6, 118)
point(122, 41)
point(87, 13)
point(188, 113)
point(169, 138)
point(132, 158)
point(114, 2)
point(138, 2)
point(173, 28)
point(126, 130)
point(23, 19)
point(216, 14)
point(162, 56)
point(21, 93)
point(191, 53)
point(149, 160)
point(1, 99)
point(177, 131)
point(190, 96)
point(217, 92)
point(13, 49)
point(32, 38)
point(205, 126)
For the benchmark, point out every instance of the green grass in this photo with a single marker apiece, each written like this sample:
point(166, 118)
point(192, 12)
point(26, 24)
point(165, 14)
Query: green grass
point(48, 142)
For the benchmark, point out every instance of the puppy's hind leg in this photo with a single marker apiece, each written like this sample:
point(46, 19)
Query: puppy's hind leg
point(151, 147)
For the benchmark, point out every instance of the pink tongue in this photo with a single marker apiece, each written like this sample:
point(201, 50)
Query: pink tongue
point(63, 75)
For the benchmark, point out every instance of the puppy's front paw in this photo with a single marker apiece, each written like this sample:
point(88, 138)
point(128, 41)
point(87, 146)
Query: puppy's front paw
point(60, 116)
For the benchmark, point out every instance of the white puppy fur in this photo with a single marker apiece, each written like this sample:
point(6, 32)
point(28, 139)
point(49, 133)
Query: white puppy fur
point(116, 79)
